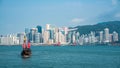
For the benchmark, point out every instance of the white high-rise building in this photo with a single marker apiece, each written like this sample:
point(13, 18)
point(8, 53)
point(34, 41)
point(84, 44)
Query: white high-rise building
point(77, 37)
point(56, 37)
point(73, 38)
point(5, 41)
point(46, 37)
point(47, 26)
point(89, 39)
point(65, 29)
point(81, 40)
point(37, 37)
point(92, 34)
point(86, 40)
point(21, 37)
point(15, 39)
point(41, 38)
point(101, 37)
point(61, 38)
point(115, 36)
point(106, 35)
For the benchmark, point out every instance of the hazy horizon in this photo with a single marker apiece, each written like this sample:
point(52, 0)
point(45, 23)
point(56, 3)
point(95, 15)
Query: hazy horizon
point(16, 15)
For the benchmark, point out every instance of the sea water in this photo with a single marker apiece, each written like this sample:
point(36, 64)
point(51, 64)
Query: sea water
point(61, 57)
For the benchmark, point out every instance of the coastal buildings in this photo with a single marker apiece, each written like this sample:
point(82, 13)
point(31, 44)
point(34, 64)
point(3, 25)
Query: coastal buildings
point(9, 40)
point(60, 35)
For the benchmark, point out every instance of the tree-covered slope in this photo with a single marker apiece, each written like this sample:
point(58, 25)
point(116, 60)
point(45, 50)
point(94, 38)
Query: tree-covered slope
point(112, 25)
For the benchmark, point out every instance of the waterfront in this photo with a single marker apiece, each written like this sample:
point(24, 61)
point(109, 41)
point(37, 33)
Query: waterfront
point(61, 57)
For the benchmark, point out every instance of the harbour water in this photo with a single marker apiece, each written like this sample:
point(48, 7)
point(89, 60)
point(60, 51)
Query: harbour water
point(61, 57)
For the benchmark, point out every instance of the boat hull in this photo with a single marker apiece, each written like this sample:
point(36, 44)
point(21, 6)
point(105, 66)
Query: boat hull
point(26, 53)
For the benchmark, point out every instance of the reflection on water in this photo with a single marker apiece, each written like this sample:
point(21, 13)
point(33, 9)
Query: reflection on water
point(61, 57)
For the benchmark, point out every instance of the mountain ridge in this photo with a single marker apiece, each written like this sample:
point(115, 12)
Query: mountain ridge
point(112, 25)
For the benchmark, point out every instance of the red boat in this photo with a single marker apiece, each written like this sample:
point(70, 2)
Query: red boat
point(26, 52)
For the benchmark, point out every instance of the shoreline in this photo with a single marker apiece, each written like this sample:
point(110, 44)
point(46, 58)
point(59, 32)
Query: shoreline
point(61, 45)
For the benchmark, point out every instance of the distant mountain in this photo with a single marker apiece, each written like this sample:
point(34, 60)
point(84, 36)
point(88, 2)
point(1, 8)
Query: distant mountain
point(112, 25)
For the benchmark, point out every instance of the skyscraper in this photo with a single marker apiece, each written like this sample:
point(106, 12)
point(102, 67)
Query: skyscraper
point(110, 37)
point(56, 37)
point(51, 34)
point(69, 37)
point(46, 35)
point(106, 35)
point(89, 38)
point(115, 36)
point(92, 37)
point(41, 38)
point(32, 34)
point(21, 37)
point(37, 37)
point(27, 33)
point(47, 26)
point(101, 37)
point(39, 29)
point(73, 38)
point(61, 37)
point(27, 30)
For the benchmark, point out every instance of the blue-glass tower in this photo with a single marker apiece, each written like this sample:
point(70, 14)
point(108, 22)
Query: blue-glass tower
point(27, 33)
point(51, 34)
point(39, 29)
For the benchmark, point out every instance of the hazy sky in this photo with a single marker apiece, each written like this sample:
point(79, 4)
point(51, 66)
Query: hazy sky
point(16, 15)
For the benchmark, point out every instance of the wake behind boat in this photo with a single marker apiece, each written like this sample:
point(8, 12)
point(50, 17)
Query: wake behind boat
point(26, 52)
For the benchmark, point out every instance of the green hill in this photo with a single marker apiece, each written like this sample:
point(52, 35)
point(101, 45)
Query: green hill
point(112, 25)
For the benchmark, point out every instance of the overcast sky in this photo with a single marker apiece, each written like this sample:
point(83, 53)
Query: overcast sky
point(16, 15)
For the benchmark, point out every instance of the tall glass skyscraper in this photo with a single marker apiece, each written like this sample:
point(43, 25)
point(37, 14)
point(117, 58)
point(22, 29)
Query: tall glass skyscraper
point(39, 29)
point(27, 33)
point(32, 34)
point(51, 34)
point(27, 30)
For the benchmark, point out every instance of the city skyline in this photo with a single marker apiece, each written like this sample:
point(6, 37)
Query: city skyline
point(53, 35)
point(17, 15)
